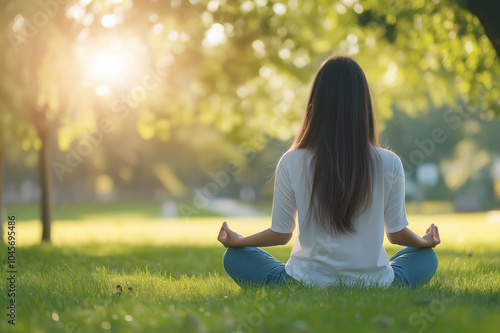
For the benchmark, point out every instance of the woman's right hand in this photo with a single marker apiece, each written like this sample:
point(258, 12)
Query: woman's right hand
point(432, 236)
point(228, 237)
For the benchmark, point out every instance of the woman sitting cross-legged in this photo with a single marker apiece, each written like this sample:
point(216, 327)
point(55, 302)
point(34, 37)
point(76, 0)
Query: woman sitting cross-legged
point(346, 191)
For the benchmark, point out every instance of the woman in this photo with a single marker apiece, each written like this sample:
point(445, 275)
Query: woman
point(345, 190)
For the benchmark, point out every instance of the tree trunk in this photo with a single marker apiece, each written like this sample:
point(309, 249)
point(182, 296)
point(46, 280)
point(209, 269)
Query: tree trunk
point(488, 11)
point(2, 213)
point(46, 183)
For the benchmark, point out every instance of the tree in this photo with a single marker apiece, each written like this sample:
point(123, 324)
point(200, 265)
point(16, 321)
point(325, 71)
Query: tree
point(2, 152)
point(239, 67)
point(416, 55)
point(487, 12)
point(36, 83)
point(441, 54)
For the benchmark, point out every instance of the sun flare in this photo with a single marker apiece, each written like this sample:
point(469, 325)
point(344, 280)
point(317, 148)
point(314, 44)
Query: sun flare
point(112, 64)
point(109, 67)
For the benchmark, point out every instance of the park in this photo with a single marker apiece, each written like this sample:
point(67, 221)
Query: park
point(131, 130)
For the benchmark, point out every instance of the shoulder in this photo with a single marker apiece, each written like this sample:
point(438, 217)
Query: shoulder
point(295, 155)
point(390, 162)
point(294, 161)
point(387, 156)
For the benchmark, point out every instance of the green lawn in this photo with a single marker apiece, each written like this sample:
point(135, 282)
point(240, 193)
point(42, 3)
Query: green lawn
point(174, 268)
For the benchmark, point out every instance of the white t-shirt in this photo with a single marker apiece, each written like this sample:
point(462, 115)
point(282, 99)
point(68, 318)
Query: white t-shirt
point(318, 257)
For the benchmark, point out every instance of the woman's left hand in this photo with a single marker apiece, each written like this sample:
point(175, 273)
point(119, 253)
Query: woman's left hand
point(227, 237)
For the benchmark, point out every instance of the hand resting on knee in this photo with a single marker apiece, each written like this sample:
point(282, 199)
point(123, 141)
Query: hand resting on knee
point(406, 237)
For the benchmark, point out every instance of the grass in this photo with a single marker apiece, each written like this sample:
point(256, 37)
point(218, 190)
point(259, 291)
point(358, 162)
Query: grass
point(91, 210)
point(174, 268)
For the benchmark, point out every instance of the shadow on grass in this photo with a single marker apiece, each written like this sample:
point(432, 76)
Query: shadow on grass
point(172, 284)
point(178, 260)
point(125, 258)
point(191, 260)
point(465, 283)
point(177, 286)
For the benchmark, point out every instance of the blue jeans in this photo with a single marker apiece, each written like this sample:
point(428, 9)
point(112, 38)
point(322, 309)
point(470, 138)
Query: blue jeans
point(254, 266)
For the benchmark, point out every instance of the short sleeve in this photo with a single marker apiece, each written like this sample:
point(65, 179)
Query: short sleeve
point(395, 210)
point(284, 206)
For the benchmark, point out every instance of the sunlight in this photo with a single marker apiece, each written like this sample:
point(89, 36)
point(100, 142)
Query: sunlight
point(108, 67)
point(102, 90)
point(391, 74)
point(109, 20)
point(215, 36)
point(111, 64)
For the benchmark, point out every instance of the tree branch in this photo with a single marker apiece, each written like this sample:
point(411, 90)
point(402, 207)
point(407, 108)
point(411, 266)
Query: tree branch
point(488, 12)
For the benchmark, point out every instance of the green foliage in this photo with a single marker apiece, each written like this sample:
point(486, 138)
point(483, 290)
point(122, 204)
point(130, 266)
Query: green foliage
point(442, 53)
point(256, 71)
point(38, 86)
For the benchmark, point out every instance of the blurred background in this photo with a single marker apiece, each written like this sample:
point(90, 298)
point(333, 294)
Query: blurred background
point(183, 108)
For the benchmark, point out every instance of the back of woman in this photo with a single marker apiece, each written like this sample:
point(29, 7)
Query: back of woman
point(346, 192)
point(317, 255)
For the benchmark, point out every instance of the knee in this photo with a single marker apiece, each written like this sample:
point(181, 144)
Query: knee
point(228, 258)
point(232, 256)
point(432, 258)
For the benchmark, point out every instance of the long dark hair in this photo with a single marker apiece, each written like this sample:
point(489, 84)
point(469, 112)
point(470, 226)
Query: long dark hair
point(339, 127)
